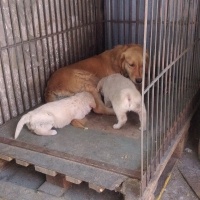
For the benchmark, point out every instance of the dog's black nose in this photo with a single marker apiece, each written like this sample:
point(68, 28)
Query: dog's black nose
point(138, 80)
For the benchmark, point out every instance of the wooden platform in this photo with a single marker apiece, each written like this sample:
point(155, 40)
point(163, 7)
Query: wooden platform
point(99, 155)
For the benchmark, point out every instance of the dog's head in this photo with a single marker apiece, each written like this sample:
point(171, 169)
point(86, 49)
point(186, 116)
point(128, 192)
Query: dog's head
point(132, 63)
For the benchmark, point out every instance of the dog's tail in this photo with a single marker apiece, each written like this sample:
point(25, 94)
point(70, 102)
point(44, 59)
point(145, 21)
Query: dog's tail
point(25, 119)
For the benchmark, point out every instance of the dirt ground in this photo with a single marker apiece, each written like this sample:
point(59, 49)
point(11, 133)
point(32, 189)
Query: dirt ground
point(21, 183)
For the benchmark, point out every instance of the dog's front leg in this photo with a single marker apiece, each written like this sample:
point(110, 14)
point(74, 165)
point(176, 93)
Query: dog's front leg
point(100, 106)
point(143, 115)
point(79, 123)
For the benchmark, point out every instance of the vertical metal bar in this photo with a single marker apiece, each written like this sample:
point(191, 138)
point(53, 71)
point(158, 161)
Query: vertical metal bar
point(150, 108)
point(75, 35)
point(159, 93)
point(191, 66)
point(137, 20)
point(63, 38)
point(130, 21)
point(47, 39)
point(118, 23)
point(184, 64)
point(17, 58)
point(31, 61)
point(8, 107)
point(143, 84)
point(85, 49)
point(163, 99)
point(106, 22)
point(79, 13)
point(155, 128)
point(124, 19)
point(23, 57)
point(89, 26)
point(52, 37)
point(190, 84)
point(153, 89)
point(168, 79)
point(2, 120)
point(84, 15)
point(40, 33)
point(71, 33)
point(56, 8)
point(176, 109)
point(41, 83)
point(172, 117)
point(112, 23)
point(12, 75)
point(68, 53)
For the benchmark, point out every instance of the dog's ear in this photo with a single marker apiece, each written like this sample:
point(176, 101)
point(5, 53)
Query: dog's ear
point(122, 65)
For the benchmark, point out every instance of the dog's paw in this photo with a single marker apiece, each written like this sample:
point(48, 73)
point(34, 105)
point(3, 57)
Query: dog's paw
point(116, 126)
point(144, 129)
point(53, 132)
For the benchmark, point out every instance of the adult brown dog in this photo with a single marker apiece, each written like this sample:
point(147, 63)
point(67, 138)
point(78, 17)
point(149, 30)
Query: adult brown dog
point(84, 75)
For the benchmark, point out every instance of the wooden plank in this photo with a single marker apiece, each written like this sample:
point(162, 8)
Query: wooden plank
point(21, 162)
point(181, 145)
point(45, 171)
point(131, 189)
point(9, 190)
point(4, 157)
point(58, 180)
point(96, 187)
point(3, 164)
point(108, 180)
point(52, 189)
point(73, 180)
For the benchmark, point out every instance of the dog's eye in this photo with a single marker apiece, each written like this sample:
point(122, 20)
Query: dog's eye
point(132, 65)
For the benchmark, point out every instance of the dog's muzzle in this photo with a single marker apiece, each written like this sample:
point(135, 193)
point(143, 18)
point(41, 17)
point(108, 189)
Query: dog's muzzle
point(138, 80)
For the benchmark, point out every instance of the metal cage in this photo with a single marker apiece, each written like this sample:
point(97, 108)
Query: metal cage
point(39, 36)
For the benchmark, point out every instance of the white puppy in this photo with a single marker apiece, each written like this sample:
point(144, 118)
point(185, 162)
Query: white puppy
point(56, 114)
point(122, 94)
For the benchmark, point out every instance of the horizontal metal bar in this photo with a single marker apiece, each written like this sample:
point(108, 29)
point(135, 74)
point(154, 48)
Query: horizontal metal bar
point(45, 36)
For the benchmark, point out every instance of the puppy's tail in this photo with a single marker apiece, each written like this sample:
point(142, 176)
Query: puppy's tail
point(24, 119)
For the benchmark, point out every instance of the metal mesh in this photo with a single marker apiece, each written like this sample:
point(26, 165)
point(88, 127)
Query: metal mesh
point(169, 30)
point(173, 77)
point(36, 38)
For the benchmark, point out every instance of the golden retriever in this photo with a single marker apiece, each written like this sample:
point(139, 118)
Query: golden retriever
point(85, 75)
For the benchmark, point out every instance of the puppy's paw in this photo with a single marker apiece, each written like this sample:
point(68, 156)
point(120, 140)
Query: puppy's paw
point(116, 126)
point(53, 132)
point(144, 129)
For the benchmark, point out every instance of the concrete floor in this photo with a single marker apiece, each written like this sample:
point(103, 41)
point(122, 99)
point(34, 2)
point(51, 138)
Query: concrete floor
point(21, 183)
point(180, 186)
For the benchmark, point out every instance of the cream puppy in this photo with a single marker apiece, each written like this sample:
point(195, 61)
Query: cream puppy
point(56, 114)
point(120, 93)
